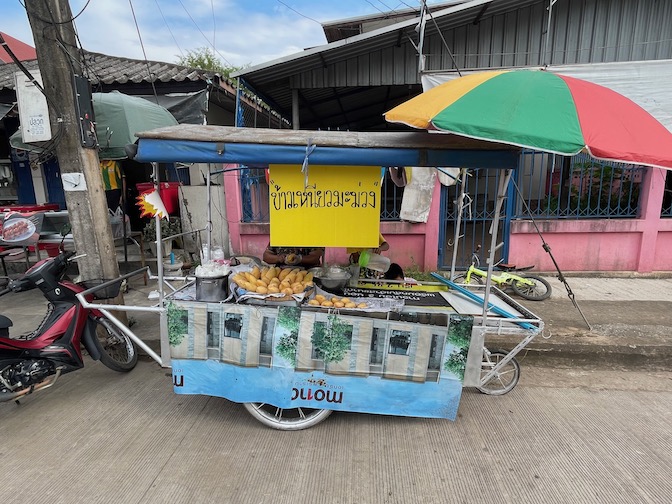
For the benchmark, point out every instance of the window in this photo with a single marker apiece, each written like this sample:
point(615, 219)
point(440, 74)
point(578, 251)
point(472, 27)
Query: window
point(400, 341)
point(233, 323)
point(213, 330)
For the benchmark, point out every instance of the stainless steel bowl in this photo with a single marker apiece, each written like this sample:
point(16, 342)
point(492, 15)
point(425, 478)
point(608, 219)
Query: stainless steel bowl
point(331, 277)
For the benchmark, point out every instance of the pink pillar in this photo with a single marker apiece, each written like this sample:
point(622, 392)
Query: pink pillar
point(652, 190)
point(432, 228)
point(233, 208)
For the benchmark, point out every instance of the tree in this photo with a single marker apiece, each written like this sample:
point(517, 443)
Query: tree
point(332, 340)
point(205, 58)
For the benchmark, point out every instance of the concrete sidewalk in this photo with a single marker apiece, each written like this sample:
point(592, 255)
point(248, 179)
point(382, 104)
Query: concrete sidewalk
point(630, 319)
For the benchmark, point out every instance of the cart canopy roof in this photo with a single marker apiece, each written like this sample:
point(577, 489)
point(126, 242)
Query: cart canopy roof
point(226, 144)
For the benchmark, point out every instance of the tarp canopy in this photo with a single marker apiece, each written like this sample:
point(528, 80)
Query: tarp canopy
point(224, 144)
point(117, 118)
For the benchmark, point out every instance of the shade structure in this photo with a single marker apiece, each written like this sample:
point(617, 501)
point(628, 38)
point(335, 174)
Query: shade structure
point(541, 111)
point(118, 118)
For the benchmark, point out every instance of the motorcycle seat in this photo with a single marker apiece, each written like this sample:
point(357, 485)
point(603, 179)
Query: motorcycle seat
point(5, 322)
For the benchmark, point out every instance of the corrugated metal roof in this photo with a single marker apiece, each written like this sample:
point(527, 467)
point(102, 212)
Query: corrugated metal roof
point(348, 84)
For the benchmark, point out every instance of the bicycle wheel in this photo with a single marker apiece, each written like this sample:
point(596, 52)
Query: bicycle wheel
point(286, 419)
point(462, 279)
point(538, 290)
point(117, 351)
point(504, 380)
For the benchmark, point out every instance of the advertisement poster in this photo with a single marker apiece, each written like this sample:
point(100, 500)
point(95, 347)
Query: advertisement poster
point(291, 357)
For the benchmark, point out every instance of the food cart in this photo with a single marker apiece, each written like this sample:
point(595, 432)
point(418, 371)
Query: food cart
point(374, 348)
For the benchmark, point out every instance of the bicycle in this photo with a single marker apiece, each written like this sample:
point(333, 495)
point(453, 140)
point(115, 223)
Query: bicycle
point(530, 287)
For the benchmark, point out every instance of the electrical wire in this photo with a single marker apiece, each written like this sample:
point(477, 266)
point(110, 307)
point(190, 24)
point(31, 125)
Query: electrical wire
point(61, 22)
point(167, 26)
point(204, 36)
point(144, 53)
point(297, 12)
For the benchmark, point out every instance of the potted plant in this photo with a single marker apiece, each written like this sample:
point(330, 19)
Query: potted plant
point(169, 227)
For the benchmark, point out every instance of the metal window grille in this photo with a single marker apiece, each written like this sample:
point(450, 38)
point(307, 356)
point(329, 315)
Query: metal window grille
point(478, 214)
point(578, 187)
point(667, 197)
point(254, 194)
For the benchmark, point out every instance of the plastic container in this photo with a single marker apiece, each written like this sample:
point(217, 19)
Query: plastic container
point(168, 193)
point(373, 261)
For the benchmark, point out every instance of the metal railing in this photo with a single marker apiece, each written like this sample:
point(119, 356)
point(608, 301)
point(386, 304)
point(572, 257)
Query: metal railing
point(578, 187)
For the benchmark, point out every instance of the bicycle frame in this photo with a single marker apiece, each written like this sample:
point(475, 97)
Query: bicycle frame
point(502, 279)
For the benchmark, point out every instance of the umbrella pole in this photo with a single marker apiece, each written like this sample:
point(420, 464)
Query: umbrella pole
point(163, 316)
point(123, 216)
point(494, 229)
point(458, 224)
point(209, 207)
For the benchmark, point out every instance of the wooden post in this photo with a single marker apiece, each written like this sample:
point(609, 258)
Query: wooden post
point(59, 60)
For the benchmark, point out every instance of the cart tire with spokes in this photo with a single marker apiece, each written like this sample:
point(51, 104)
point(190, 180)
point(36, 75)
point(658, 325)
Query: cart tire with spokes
point(286, 419)
point(504, 379)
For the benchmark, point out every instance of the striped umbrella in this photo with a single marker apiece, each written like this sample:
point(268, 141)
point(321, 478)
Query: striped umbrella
point(541, 111)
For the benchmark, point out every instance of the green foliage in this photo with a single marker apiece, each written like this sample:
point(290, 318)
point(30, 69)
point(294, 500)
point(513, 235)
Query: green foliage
point(457, 363)
point(286, 347)
point(169, 227)
point(178, 324)
point(331, 340)
point(459, 335)
point(459, 331)
point(204, 58)
point(289, 318)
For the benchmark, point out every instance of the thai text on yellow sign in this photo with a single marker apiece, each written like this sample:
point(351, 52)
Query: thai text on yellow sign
point(339, 206)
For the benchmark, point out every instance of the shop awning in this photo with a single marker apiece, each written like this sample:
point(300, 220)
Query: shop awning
point(224, 144)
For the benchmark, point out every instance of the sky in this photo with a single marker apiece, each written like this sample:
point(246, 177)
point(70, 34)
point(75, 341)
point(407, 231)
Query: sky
point(240, 32)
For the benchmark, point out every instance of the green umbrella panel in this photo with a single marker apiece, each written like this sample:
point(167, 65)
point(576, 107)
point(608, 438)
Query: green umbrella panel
point(118, 117)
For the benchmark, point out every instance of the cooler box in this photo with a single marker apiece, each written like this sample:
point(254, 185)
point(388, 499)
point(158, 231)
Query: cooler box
point(168, 192)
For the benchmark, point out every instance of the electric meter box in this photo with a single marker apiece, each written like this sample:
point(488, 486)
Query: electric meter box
point(33, 108)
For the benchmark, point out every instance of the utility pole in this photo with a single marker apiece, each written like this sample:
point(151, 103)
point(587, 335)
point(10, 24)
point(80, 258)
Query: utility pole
point(59, 61)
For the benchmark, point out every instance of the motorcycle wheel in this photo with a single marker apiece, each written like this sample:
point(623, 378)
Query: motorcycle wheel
point(117, 351)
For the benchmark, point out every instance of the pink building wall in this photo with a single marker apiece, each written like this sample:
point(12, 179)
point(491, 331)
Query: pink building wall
point(642, 245)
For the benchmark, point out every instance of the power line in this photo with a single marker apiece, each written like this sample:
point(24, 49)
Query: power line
point(142, 45)
point(167, 26)
point(302, 15)
point(204, 36)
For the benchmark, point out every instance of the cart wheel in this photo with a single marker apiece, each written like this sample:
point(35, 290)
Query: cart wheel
point(505, 379)
point(286, 419)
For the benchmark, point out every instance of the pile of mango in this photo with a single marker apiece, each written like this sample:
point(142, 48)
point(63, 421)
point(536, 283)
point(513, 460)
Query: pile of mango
point(274, 280)
point(335, 302)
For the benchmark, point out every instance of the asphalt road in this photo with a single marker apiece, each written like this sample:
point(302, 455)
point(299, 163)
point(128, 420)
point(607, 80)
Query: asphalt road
point(563, 435)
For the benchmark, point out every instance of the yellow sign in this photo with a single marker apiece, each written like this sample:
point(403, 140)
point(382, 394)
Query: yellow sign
point(340, 207)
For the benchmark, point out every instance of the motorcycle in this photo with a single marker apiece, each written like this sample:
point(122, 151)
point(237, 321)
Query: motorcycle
point(34, 361)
